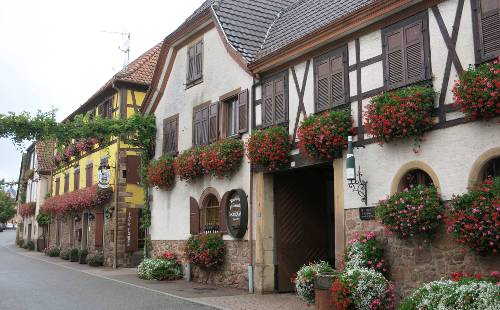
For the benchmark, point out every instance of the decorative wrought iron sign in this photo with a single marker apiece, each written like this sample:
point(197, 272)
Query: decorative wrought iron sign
point(367, 213)
point(237, 213)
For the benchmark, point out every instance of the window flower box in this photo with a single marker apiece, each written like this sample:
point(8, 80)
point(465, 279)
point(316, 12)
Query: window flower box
point(222, 158)
point(269, 148)
point(400, 114)
point(188, 164)
point(161, 173)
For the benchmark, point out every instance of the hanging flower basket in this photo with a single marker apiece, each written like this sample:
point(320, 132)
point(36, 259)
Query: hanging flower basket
point(188, 164)
point(269, 148)
point(78, 201)
point(161, 173)
point(222, 158)
point(27, 209)
point(477, 91)
point(417, 211)
point(474, 218)
point(400, 114)
point(325, 135)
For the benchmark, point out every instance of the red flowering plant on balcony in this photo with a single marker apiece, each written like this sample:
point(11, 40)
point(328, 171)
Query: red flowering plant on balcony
point(188, 164)
point(84, 145)
point(269, 148)
point(69, 152)
point(477, 91)
point(161, 173)
point(27, 209)
point(222, 158)
point(399, 114)
point(206, 251)
point(78, 201)
point(58, 159)
point(415, 211)
point(474, 218)
point(325, 135)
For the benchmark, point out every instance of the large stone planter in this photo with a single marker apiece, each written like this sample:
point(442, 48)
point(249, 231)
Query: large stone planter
point(322, 295)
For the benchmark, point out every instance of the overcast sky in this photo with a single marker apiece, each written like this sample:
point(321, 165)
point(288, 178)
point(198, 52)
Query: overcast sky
point(53, 54)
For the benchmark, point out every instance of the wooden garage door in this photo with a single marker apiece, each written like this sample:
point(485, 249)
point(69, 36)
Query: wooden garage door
point(302, 222)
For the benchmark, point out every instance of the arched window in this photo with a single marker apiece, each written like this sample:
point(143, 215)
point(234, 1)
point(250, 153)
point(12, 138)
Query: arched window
point(210, 214)
point(491, 169)
point(413, 178)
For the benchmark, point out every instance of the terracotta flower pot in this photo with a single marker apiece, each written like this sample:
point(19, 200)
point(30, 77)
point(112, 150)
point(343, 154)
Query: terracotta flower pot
point(322, 285)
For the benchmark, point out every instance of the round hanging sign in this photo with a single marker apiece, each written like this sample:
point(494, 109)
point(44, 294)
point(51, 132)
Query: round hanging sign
point(104, 177)
point(237, 213)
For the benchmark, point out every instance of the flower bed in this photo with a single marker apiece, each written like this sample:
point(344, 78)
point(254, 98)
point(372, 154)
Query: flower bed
point(477, 91)
point(188, 164)
point(27, 209)
point(304, 281)
point(164, 267)
point(269, 148)
point(360, 288)
point(77, 201)
point(446, 294)
point(325, 135)
point(206, 251)
point(418, 211)
point(399, 114)
point(366, 252)
point(161, 173)
point(222, 158)
point(474, 218)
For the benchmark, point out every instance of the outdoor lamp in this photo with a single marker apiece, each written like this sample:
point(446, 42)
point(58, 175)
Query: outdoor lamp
point(354, 180)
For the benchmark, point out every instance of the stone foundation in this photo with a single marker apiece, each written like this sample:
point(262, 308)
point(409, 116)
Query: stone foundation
point(232, 273)
point(416, 261)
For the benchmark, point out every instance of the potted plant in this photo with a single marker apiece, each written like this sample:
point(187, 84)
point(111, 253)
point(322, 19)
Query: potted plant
point(95, 260)
point(73, 255)
point(82, 256)
point(269, 148)
point(64, 254)
point(312, 280)
point(164, 267)
point(206, 250)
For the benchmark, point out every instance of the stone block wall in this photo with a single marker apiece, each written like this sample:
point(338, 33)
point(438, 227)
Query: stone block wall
point(416, 261)
point(232, 273)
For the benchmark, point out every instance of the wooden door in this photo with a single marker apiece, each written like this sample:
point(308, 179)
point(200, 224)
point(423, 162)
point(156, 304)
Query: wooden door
point(304, 224)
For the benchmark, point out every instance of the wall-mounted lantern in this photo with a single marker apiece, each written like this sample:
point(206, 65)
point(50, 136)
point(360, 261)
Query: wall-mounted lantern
point(354, 180)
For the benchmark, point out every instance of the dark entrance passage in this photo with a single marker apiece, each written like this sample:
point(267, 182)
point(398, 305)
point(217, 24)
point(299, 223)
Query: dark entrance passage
point(303, 204)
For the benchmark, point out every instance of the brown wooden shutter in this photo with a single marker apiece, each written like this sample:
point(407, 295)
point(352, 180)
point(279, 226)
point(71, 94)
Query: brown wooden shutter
point(395, 69)
point(243, 111)
point(198, 60)
point(268, 105)
point(190, 64)
point(213, 122)
point(133, 166)
point(323, 85)
point(194, 216)
point(204, 126)
point(489, 28)
point(223, 211)
point(414, 52)
point(76, 180)
point(66, 183)
point(196, 126)
point(337, 64)
point(132, 232)
point(89, 173)
point(58, 187)
point(280, 104)
point(99, 228)
point(170, 135)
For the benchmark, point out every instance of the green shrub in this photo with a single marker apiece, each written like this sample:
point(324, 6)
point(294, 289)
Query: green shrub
point(162, 268)
point(82, 256)
point(73, 255)
point(446, 294)
point(64, 254)
point(206, 251)
point(43, 219)
point(30, 245)
point(25, 246)
point(304, 282)
point(95, 260)
point(52, 251)
point(20, 243)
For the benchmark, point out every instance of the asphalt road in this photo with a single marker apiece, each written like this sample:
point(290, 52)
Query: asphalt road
point(27, 283)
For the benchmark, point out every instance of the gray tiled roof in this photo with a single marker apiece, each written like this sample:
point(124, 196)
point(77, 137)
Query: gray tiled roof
point(246, 22)
point(304, 17)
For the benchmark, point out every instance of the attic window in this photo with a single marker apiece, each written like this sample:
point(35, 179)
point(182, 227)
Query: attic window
point(194, 64)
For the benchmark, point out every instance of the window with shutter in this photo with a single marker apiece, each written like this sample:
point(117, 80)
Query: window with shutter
point(242, 119)
point(58, 187)
point(201, 124)
point(275, 100)
point(99, 228)
point(89, 169)
point(170, 135)
point(331, 81)
point(487, 23)
point(406, 48)
point(66, 183)
point(195, 63)
point(213, 122)
point(133, 165)
point(194, 217)
point(76, 180)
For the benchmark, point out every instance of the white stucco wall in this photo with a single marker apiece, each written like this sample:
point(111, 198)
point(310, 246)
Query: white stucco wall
point(221, 74)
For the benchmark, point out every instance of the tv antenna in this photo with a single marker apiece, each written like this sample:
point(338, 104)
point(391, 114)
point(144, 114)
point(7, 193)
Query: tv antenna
point(124, 46)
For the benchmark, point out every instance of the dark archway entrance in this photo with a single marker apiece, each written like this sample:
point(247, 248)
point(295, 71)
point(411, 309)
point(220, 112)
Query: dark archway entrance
point(304, 218)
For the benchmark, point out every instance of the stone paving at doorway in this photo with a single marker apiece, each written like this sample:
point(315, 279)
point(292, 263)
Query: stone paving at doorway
point(218, 297)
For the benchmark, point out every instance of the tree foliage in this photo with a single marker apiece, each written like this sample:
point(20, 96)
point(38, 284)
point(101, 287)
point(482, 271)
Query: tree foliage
point(7, 210)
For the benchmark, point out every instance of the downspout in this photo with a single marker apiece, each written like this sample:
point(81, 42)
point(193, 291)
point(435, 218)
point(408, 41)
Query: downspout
point(250, 236)
point(117, 164)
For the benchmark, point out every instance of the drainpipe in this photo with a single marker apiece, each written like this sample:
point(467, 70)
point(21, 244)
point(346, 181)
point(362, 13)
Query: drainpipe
point(250, 236)
point(117, 165)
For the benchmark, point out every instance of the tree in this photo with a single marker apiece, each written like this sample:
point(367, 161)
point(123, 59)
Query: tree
point(7, 209)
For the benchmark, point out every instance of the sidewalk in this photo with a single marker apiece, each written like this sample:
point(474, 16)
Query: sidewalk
point(218, 297)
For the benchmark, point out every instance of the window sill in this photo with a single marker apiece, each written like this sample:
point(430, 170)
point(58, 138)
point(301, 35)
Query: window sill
point(193, 83)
